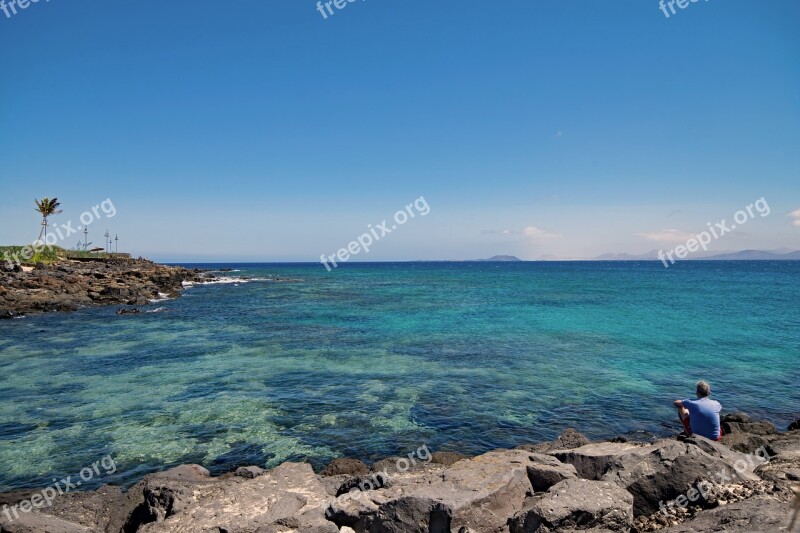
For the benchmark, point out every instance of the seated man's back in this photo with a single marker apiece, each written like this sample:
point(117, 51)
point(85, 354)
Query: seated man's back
point(704, 413)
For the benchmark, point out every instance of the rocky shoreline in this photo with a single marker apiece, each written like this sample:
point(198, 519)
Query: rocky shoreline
point(744, 484)
point(71, 285)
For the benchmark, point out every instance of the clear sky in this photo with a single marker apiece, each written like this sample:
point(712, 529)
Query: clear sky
point(259, 130)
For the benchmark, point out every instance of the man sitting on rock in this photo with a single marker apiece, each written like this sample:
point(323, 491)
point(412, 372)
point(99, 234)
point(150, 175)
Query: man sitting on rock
point(701, 416)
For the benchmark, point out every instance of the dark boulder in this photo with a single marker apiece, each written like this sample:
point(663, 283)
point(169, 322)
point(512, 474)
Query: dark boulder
point(447, 458)
point(186, 499)
point(577, 504)
point(761, 513)
point(480, 494)
point(343, 465)
point(568, 440)
point(741, 423)
point(249, 472)
point(659, 472)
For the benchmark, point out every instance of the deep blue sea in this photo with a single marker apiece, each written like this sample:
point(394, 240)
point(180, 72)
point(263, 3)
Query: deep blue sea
point(373, 360)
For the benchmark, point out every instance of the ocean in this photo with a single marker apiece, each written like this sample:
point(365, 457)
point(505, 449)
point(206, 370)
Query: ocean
point(378, 359)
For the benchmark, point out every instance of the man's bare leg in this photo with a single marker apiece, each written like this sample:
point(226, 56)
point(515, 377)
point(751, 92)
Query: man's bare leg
point(683, 414)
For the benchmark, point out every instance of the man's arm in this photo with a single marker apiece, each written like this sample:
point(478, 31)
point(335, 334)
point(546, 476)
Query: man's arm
point(678, 403)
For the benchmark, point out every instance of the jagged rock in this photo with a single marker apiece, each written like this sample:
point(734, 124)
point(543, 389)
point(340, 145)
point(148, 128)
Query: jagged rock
point(491, 493)
point(568, 440)
point(760, 513)
point(593, 460)
point(784, 460)
point(332, 484)
point(374, 481)
point(739, 418)
point(744, 442)
point(546, 471)
point(399, 465)
point(542, 447)
point(38, 523)
point(740, 433)
point(577, 503)
point(249, 472)
point(392, 465)
point(762, 427)
point(479, 493)
point(342, 465)
point(671, 468)
point(158, 496)
point(447, 458)
point(89, 509)
point(662, 471)
point(289, 496)
point(72, 512)
point(70, 285)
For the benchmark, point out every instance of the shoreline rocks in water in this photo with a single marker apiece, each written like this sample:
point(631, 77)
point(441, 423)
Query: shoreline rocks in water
point(71, 285)
point(567, 485)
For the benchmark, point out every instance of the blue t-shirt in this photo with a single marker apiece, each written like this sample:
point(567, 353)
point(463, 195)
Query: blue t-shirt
point(704, 417)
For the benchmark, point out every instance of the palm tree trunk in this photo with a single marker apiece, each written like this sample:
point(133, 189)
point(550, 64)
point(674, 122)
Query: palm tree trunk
point(44, 230)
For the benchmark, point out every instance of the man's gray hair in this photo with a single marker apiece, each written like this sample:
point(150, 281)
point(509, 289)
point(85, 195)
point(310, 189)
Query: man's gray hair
point(703, 389)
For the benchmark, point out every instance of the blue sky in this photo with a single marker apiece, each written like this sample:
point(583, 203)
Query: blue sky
point(257, 130)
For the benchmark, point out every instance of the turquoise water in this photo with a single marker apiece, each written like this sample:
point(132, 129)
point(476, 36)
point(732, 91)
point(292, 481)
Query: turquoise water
point(377, 359)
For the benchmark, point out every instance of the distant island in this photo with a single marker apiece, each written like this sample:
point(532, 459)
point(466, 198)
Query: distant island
point(506, 258)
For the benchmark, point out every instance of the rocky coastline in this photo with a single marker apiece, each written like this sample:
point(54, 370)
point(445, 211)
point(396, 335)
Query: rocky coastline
point(69, 285)
point(746, 483)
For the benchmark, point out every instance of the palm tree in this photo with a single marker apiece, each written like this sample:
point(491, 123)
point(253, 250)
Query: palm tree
point(46, 208)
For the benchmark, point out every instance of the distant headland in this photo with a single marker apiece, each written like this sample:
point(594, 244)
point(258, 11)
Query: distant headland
point(59, 282)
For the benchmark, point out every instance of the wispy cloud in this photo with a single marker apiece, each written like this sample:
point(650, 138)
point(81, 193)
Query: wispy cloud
point(539, 233)
point(666, 235)
point(531, 232)
point(795, 215)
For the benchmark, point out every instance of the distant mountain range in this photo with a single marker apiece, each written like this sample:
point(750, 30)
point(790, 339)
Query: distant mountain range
point(757, 255)
point(782, 254)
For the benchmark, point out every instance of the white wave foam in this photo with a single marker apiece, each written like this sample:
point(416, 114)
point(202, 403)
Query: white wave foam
point(223, 280)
